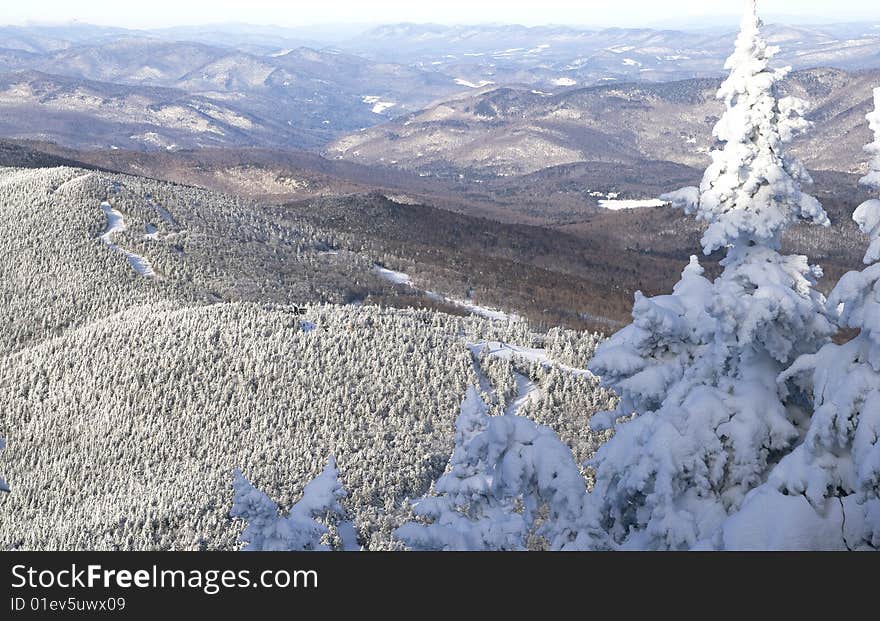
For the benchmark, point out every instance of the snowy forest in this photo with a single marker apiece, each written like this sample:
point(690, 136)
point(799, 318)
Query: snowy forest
point(152, 398)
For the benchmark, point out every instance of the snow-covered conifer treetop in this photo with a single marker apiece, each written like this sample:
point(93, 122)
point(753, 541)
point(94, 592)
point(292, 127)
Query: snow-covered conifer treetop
point(825, 492)
point(504, 474)
point(701, 419)
point(872, 179)
point(267, 531)
point(751, 191)
point(858, 293)
point(867, 216)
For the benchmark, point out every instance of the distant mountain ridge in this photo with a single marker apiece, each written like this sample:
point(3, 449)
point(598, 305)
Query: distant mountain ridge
point(301, 89)
point(514, 131)
point(281, 100)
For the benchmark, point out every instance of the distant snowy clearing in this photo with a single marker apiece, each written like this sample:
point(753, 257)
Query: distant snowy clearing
point(379, 106)
point(398, 278)
point(621, 205)
point(116, 224)
point(382, 106)
point(480, 84)
point(483, 311)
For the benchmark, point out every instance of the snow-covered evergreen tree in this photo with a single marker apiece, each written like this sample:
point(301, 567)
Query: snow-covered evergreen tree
point(268, 531)
point(3, 486)
point(668, 332)
point(826, 493)
point(698, 368)
point(264, 525)
point(751, 192)
point(509, 480)
point(872, 179)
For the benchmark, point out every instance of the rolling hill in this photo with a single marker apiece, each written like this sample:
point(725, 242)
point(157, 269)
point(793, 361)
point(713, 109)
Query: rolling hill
point(158, 336)
point(510, 131)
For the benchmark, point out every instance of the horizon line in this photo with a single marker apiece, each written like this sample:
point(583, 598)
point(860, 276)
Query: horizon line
point(709, 21)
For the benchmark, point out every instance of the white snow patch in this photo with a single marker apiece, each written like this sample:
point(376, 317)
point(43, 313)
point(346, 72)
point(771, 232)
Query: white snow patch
point(382, 106)
point(379, 106)
point(116, 224)
point(483, 311)
point(620, 205)
point(480, 84)
point(398, 278)
point(564, 82)
point(629, 62)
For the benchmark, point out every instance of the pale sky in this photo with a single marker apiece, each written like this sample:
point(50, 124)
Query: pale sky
point(156, 13)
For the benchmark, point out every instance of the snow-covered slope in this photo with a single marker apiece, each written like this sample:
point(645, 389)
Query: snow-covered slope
point(127, 401)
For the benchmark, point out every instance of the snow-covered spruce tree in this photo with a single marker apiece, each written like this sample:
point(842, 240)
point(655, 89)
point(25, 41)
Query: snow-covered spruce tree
point(509, 481)
point(698, 369)
point(872, 179)
point(825, 495)
point(267, 531)
point(3, 486)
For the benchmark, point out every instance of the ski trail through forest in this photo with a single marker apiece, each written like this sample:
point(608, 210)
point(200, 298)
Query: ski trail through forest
point(497, 349)
point(70, 182)
point(401, 278)
point(526, 390)
point(116, 224)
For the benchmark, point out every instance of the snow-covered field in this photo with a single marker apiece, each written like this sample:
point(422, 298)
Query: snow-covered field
point(620, 205)
point(480, 84)
point(379, 106)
